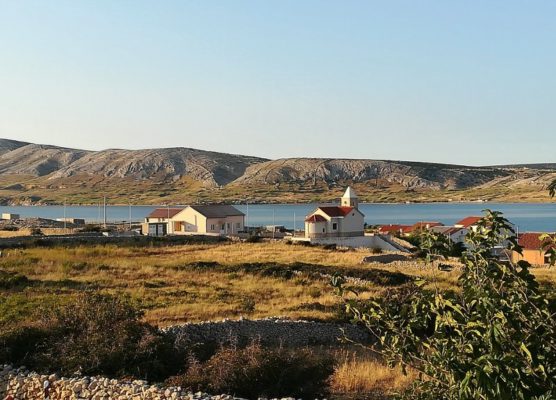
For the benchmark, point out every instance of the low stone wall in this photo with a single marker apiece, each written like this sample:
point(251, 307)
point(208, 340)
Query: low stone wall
point(20, 384)
point(269, 331)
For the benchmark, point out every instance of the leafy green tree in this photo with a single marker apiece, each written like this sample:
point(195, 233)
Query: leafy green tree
point(495, 338)
point(552, 188)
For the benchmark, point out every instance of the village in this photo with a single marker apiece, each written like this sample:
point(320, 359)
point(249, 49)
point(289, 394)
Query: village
point(342, 225)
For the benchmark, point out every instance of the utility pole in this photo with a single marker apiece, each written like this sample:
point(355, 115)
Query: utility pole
point(273, 222)
point(65, 220)
point(104, 212)
point(247, 216)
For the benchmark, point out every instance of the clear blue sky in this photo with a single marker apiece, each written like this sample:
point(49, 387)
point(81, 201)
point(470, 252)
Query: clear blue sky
point(470, 82)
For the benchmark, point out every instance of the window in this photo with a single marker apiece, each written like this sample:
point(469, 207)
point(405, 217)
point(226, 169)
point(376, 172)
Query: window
point(223, 227)
point(323, 230)
point(334, 226)
point(238, 225)
point(212, 227)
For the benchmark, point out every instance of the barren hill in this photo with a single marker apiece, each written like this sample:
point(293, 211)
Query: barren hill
point(33, 173)
point(411, 175)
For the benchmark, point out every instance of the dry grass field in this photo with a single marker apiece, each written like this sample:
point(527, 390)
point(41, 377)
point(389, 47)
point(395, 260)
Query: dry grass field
point(175, 284)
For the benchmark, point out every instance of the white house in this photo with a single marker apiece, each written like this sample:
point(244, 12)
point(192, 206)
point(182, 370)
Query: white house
point(198, 219)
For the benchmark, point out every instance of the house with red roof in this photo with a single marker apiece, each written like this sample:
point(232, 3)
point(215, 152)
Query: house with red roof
point(342, 221)
point(534, 250)
point(214, 219)
point(393, 229)
point(468, 222)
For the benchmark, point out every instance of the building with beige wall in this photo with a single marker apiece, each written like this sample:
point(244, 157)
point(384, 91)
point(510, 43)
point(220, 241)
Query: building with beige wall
point(201, 219)
point(533, 249)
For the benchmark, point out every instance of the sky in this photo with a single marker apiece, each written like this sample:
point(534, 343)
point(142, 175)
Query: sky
point(464, 82)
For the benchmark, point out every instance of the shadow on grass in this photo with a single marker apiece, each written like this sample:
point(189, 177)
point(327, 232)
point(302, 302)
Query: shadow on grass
point(288, 271)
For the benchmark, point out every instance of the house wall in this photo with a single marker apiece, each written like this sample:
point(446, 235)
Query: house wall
point(190, 221)
point(459, 236)
point(534, 257)
point(314, 228)
point(232, 224)
point(353, 223)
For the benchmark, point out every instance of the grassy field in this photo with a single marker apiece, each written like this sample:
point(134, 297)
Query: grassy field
point(176, 284)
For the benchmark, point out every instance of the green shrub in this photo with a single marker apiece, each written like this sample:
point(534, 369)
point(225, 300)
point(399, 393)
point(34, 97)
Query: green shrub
point(494, 339)
point(36, 232)
point(10, 280)
point(253, 239)
point(95, 334)
point(256, 371)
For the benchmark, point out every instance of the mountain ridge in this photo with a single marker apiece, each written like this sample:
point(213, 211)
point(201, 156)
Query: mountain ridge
point(39, 173)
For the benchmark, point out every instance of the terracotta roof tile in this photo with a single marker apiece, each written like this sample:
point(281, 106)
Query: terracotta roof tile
point(164, 212)
point(468, 221)
point(530, 240)
point(315, 218)
point(392, 228)
point(336, 211)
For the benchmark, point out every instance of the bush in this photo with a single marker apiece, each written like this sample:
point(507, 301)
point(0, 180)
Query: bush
point(9, 228)
point(95, 334)
point(10, 280)
point(91, 228)
point(255, 371)
point(36, 232)
point(253, 239)
point(494, 339)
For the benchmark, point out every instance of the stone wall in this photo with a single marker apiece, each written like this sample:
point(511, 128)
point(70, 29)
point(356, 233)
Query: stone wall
point(20, 384)
point(269, 331)
point(23, 385)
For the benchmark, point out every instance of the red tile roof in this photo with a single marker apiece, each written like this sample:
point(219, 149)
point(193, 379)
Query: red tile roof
point(164, 212)
point(468, 221)
point(531, 241)
point(425, 225)
point(392, 228)
point(336, 211)
point(315, 218)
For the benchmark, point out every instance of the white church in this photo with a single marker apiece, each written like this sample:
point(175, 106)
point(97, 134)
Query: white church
point(343, 221)
point(343, 225)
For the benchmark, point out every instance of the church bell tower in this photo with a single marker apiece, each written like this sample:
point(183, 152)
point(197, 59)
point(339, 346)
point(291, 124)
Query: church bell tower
point(349, 199)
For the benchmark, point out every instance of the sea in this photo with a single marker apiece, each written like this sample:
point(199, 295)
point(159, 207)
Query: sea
point(531, 217)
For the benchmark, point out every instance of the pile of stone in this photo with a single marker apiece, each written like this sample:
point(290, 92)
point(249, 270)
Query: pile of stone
point(22, 384)
point(36, 223)
point(268, 331)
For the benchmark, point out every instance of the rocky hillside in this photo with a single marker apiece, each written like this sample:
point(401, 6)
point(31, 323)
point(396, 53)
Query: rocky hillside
point(407, 174)
point(159, 165)
point(33, 173)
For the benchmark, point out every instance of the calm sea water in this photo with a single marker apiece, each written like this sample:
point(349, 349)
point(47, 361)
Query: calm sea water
point(527, 217)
